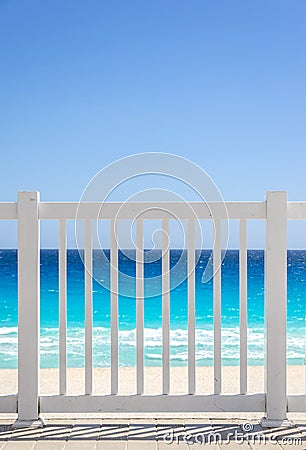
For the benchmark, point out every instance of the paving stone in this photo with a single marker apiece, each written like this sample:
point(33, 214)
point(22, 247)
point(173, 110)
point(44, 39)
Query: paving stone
point(197, 433)
point(56, 432)
point(26, 434)
point(81, 445)
point(113, 431)
point(301, 426)
point(267, 446)
point(111, 445)
point(180, 445)
point(5, 432)
point(19, 445)
point(167, 430)
point(142, 445)
point(50, 445)
point(85, 432)
point(151, 434)
point(142, 431)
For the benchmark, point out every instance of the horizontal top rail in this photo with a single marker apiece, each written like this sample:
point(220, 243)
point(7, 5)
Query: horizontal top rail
point(8, 211)
point(296, 210)
point(153, 210)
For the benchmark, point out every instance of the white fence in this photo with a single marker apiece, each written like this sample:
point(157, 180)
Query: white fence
point(274, 401)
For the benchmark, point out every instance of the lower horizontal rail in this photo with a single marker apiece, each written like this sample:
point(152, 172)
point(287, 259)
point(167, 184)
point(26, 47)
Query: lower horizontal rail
point(8, 403)
point(296, 403)
point(152, 403)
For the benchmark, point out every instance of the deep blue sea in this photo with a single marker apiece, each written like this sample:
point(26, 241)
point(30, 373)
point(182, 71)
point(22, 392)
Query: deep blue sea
point(153, 308)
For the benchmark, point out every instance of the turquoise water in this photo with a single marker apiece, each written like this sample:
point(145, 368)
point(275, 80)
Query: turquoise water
point(127, 309)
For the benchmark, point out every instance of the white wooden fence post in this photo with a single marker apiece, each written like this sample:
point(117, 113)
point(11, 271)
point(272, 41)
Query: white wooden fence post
point(275, 310)
point(28, 309)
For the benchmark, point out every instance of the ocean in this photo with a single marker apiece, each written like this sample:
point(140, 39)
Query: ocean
point(153, 309)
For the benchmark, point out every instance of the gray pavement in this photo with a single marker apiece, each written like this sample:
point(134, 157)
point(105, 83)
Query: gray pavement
point(152, 434)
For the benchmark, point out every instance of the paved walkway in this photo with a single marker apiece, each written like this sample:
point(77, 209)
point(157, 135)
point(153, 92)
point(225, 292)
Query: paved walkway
point(152, 434)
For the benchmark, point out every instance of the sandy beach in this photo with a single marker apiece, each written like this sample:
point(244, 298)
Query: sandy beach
point(153, 380)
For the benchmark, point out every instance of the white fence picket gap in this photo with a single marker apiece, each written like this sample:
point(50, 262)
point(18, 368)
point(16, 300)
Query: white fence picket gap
point(217, 307)
point(276, 308)
point(28, 307)
point(243, 307)
point(139, 306)
point(88, 305)
point(191, 307)
point(114, 305)
point(166, 306)
point(62, 267)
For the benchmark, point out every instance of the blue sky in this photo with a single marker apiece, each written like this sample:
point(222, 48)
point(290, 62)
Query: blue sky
point(222, 83)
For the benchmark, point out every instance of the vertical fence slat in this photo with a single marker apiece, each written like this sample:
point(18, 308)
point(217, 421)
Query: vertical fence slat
point(243, 306)
point(62, 306)
point(165, 306)
point(28, 307)
point(139, 306)
point(114, 305)
point(276, 309)
point(88, 305)
point(191, 307)
point(217, 306)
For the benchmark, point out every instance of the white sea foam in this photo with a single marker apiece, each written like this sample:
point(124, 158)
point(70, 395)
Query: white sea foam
point(8, 330)
point(204, 338)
